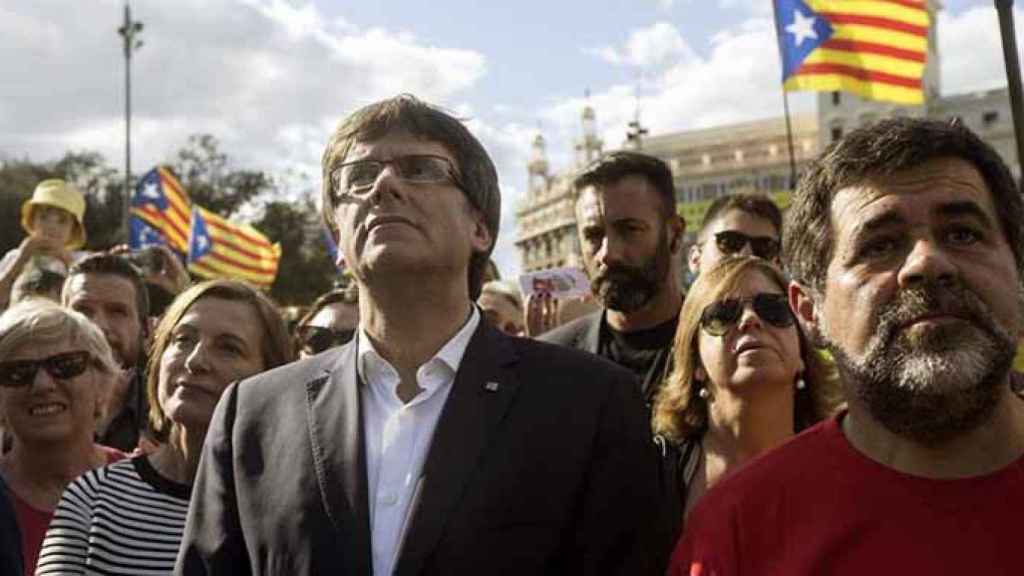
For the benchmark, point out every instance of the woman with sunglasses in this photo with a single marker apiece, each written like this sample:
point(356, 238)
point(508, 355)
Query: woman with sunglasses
point(744, 377)
point(331, 321)
point(128, 518)
point(56, 370)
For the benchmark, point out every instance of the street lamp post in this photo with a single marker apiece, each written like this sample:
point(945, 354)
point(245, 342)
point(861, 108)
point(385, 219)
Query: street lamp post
point(1012, 62)
point(129, 31)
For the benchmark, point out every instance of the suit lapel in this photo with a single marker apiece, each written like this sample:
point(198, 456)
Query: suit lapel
point(591, 337)
point(481, 394)
point(335, 432)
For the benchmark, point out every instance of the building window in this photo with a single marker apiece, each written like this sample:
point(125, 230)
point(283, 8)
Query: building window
point(837, 133)
point(989, 118)
point(835, 98)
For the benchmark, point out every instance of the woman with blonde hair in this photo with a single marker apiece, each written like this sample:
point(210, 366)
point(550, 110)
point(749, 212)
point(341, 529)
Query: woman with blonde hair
point(744, 377)
point(128, 518)
point(56, 370)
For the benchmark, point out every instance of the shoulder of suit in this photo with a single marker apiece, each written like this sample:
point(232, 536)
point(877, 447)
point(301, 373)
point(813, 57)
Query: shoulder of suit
point(570, 334)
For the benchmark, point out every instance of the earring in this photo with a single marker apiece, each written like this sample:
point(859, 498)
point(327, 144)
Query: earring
point(800, 384)
point(704, 393)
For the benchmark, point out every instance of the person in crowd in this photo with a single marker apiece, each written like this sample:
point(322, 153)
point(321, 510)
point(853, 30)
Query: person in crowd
point(744, 378)
point(904, 240)
point(424, 445)
point(53, 220)
point(128, 518)
point(738, 224)
point(502, 306)
point(37, 282)
point(109, 290)
point(331, 321)
point(55, 372)
point(631, 238)
point(11, 561)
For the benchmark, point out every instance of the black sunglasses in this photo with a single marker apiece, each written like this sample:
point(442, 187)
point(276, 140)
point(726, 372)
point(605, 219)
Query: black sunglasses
point(719, 317)
point(17, 373)
point(316, 339)
point(731, 242)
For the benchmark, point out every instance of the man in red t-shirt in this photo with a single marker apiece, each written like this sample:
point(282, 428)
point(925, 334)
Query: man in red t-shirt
point(904, 240)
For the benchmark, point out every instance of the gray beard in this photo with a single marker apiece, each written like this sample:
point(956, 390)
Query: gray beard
point(934, 386)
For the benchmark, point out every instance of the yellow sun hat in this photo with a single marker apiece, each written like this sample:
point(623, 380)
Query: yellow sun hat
point(60, 194)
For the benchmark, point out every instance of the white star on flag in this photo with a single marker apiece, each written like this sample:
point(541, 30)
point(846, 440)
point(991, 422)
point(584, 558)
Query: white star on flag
point(203, 243)
point(151, 190)
point(802, 28)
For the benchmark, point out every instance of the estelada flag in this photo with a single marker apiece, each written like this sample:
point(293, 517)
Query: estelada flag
point(162, 202)
point(876, 49)
point(219, 248)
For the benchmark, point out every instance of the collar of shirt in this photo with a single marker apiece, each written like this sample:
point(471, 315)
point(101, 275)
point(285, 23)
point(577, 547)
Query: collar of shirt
point(382, 378)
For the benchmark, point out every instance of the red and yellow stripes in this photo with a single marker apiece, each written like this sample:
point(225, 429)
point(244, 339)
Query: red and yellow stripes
point(878, 50)
point(174, 222)
point(238, 251)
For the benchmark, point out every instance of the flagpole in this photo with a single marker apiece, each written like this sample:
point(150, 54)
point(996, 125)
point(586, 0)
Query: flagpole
point(1012, 63)
point(129, 32)
point(785, 99)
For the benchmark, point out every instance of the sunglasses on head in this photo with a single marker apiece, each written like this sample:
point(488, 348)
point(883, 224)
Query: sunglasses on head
point(316, 339)
point(719, 317)
point(731, 242)
point(17, 373)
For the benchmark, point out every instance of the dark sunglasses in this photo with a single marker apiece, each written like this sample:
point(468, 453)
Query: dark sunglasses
point(17, 373)
point(316, 339)
point(731, 242)
point(719, 317)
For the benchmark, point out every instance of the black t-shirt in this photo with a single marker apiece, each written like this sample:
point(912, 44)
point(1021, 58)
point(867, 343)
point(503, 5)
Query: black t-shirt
point(646, 352)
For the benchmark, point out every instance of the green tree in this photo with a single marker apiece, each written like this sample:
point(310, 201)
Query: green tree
point(100, 184)
point(205, 172)
point(305, 270)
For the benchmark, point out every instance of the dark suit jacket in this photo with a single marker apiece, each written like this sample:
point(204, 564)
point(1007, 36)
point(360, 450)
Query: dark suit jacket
point(552, 472)
point(583, 333)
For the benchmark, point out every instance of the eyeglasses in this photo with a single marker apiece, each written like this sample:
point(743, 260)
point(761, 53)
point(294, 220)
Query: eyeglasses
point(316, 339)
point(731, 242)
point(18, 373)
point(356, 178)
point(719, 317)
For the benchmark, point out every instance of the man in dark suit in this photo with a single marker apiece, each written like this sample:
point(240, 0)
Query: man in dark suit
point(431, 443)
point(631, 238)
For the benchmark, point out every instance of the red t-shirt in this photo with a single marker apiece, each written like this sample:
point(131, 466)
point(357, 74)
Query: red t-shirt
point(33, 522)
point(818, 506)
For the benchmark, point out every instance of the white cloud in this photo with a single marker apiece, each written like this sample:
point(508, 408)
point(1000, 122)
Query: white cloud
point(648, 48)
point(971, 50)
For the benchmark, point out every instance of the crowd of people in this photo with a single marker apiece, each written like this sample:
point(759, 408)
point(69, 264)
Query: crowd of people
point(832, 394)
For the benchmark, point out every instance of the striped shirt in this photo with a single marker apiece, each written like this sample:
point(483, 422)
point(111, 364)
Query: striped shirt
point(120, 519)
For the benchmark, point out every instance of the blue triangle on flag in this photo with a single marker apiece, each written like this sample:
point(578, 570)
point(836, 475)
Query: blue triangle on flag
point(801, 30)
point(142, 234)
point(199, 241)
point(150, 191)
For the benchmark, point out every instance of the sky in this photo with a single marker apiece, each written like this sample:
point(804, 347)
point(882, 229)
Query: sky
point(272, 78)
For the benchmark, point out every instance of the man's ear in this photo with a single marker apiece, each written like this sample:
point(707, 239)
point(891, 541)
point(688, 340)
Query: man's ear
point(481, 238)
point(802, 302)
point(677, 229)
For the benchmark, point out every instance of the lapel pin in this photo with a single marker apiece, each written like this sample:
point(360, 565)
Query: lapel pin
point(491, 386)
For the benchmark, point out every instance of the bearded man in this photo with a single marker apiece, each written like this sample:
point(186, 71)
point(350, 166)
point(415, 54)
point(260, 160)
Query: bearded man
point(631, 237)
point(904, 240)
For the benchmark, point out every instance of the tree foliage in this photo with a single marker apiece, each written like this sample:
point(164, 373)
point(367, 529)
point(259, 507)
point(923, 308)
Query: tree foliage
point(305, 269)
point(204, 171)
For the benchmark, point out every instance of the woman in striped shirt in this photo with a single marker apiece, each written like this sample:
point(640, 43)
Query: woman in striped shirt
point(127, 518)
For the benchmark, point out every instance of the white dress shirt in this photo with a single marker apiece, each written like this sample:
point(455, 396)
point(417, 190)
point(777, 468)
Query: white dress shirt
point(398, 435)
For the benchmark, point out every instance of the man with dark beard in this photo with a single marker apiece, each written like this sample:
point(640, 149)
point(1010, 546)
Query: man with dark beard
point(904, 240)
point(631, 238)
